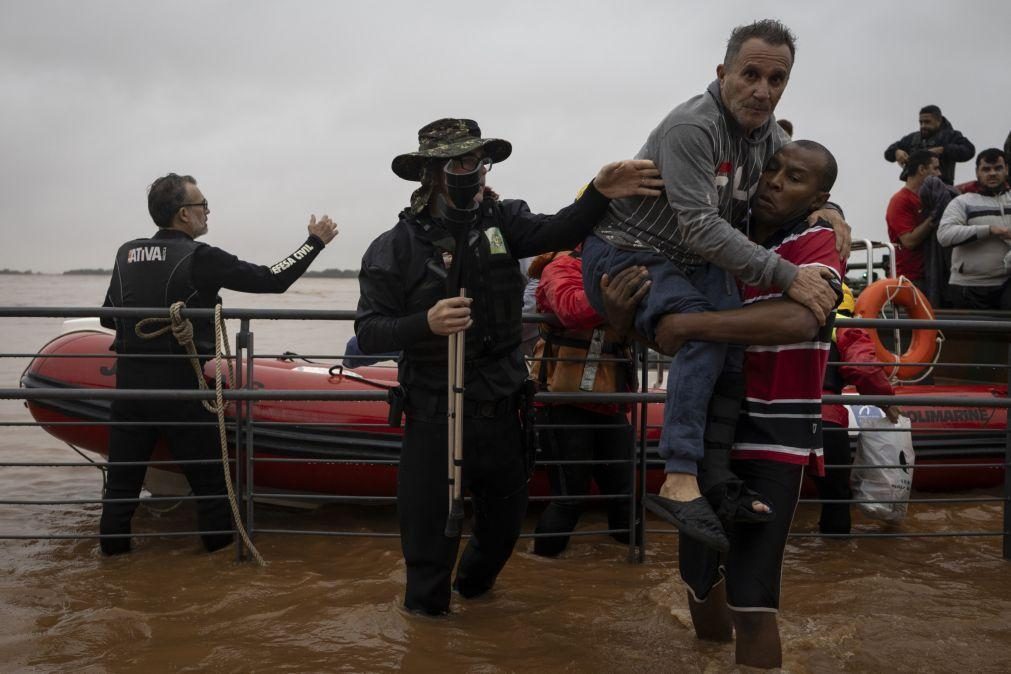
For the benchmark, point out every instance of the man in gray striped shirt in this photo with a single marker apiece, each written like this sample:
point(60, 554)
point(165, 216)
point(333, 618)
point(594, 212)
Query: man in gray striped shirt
point(710, 151)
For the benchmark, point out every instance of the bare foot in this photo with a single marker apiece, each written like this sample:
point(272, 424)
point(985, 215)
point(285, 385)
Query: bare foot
point(680, 487)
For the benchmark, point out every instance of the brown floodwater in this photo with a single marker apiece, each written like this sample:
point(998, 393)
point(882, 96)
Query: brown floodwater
point(334, 603)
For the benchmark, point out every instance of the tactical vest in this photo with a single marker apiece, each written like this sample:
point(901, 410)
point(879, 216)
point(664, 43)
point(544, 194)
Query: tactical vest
point(157, 273)
point(492, 277)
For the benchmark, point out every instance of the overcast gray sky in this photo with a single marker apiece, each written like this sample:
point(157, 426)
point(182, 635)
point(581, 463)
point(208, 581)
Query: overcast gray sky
point(285, 109)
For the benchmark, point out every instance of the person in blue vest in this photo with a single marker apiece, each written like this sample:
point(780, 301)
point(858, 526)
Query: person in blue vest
point(157, 271)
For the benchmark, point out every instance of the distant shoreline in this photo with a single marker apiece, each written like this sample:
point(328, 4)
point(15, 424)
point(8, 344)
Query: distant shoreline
point(325, 273)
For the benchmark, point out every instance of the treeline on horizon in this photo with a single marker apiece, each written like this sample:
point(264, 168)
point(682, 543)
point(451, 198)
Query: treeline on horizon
point(325, 273)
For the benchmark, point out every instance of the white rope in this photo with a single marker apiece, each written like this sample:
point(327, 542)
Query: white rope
point(890, 295)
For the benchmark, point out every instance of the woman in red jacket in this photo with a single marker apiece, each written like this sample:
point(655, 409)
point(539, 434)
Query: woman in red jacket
point(583, 355)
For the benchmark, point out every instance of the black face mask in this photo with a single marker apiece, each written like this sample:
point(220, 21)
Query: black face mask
point(462, 187)
point(461, 210)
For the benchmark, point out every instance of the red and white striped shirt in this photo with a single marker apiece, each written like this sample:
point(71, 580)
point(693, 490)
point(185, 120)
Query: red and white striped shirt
point(781, 415)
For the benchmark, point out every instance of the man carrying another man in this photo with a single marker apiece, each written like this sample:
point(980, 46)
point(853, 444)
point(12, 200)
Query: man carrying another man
point(780, 427)
point(710, 151)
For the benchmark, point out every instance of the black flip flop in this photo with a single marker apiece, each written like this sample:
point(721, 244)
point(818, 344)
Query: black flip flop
point(694, 519)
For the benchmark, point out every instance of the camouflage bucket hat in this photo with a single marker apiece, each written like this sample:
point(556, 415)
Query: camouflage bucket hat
point(445, 139)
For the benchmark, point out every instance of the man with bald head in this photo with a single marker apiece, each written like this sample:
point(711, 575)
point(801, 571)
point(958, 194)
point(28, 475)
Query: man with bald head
point(780, 429)
point(693, 239)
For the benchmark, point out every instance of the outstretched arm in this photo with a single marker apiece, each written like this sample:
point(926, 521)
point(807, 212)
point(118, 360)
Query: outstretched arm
point(530, 234)
point(778, 321)
point(214, 268)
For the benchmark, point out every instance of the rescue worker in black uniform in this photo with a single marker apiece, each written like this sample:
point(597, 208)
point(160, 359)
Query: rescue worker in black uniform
point(156, 272)
point(404, 306)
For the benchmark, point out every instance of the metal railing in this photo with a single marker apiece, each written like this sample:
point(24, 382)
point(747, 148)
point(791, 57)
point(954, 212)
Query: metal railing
point(245, 459)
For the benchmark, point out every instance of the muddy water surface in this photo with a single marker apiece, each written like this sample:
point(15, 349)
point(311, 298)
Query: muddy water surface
point(333, 604)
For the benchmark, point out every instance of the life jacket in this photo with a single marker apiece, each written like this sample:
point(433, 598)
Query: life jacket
point(157, 273)
point(491, 276)
point(597, 360)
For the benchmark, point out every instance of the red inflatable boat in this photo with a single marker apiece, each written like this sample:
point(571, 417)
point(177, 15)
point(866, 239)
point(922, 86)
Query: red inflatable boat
point(357, 434)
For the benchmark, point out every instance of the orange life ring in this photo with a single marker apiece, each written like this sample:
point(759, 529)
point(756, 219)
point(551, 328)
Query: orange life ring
point(900, 292)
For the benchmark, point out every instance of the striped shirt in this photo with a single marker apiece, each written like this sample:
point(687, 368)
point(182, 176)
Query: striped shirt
point(781, 416)
point(977, 256)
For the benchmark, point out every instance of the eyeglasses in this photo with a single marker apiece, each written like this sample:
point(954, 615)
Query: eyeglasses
point(469, 163)
point(201, 204)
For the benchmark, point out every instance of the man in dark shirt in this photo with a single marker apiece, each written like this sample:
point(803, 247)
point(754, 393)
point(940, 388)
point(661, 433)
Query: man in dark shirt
point(409, 302)
point(158, 271)
point(937, 136)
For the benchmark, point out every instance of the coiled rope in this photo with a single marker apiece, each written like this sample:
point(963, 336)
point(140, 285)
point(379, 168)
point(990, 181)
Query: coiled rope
point(182, 330)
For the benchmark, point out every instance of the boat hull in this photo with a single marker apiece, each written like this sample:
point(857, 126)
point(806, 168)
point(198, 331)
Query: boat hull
point(347, 448)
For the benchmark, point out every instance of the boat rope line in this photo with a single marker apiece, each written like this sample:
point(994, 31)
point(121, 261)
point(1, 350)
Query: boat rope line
point(105, 478)
point(340, 370)
point(182, 330)
point(100, 467)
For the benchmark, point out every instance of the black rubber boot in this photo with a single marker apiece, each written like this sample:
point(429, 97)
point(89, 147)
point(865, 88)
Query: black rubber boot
point(560, 517)
point(835, 518)
point(114, 546)
point(214, 542)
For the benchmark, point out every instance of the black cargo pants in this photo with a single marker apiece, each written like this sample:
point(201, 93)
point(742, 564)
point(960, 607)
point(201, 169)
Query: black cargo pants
point(494, 472)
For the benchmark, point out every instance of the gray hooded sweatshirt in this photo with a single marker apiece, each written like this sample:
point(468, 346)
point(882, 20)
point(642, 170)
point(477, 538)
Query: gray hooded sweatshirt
point(977, 256)
point(710, 171)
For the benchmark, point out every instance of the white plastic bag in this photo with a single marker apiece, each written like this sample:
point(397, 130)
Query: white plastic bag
point(887, 451)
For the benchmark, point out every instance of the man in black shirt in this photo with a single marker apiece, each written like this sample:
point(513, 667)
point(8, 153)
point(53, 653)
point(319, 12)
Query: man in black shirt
point(408, 303)
point(171, 266)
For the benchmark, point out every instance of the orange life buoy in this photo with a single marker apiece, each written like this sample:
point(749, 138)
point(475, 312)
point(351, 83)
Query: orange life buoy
point(900, 292)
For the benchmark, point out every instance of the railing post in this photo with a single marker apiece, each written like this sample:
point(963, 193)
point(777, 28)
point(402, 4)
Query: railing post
point(633, 519)
point(643, 407)
point(1006, 538)
point(250, 384)
point(240, 344)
